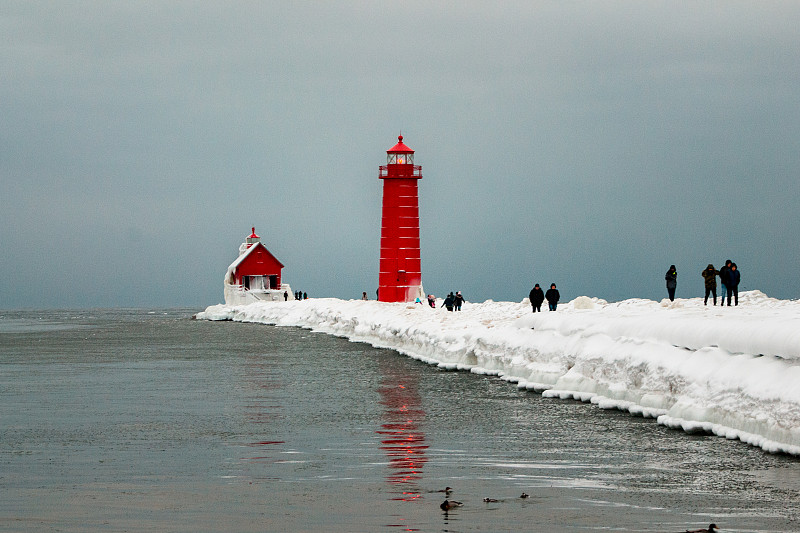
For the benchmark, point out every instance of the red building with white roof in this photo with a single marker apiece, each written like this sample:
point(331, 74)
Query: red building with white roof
point(255, 275)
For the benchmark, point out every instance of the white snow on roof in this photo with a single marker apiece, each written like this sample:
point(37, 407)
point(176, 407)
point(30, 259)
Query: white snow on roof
point(232, 267)
point(238, 261)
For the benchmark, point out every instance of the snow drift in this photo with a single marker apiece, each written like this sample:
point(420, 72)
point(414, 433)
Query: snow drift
point(731, 371)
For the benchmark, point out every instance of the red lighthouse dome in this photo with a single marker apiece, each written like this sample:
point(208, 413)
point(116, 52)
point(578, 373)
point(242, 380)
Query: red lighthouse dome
point(399, 149)
point(400, 276)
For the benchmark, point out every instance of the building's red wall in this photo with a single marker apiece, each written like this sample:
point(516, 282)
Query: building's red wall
point(400, 245)
point(259, 263)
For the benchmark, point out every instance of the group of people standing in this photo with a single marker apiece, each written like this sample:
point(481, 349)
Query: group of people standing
point(452, 302)
point(729, 278)
point(537, 297)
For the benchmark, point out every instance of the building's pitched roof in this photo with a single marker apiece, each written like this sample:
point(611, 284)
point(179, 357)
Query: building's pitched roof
point(233, 266)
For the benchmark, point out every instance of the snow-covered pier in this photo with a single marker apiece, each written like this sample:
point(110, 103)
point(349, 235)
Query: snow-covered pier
point(731, 371)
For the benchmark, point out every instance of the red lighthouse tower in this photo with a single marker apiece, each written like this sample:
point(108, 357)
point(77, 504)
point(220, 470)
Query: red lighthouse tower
point(400, 277)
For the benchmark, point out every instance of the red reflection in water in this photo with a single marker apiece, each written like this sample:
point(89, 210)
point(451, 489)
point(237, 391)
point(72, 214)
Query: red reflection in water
point(263, 405)
point(402, 438)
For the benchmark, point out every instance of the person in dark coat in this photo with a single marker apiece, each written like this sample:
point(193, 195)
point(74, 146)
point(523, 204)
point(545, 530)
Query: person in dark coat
point(672, 282)
point(536, 297)
point(710, 275)
point(458, 300)
point(448, 302)
point(723, 279)
point(552, 296)
point(733, 283)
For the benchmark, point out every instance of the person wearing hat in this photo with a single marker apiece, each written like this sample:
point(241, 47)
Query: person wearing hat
point(710, 276)
point(734, 277)
point(536, 297)
point(552, 296)
point(672, 282)
point(458, 300)
point(449, 301)
point(723, 274)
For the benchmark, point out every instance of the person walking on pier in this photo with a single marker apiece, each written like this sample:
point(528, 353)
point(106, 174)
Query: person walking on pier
point(723, 280)
point(672, 282)
point(449, 301)
point(552, 296)
point(710, 275)
point(536, 297)
point(734, 277)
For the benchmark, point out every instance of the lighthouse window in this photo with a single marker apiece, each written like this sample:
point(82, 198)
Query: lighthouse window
point(400, 159)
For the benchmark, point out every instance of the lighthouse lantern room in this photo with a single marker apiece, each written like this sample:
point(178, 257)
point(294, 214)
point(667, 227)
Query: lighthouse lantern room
point(400, 276)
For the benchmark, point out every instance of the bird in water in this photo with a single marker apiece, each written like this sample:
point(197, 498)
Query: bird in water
point(490, 500)
point(449, 504)
point(524, 495)
point(712, 528)
point(447, 491)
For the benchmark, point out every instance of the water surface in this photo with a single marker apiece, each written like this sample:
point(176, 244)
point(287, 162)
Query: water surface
point(131, 420)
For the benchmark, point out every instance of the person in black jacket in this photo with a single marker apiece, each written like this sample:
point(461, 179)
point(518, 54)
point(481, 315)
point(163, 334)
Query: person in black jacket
point(552, 296)
point(723, 278)
point(458, 300)
point(536, 297)
point(449, 301)
point(672, 282)
point(733, 283)
point(710, 276)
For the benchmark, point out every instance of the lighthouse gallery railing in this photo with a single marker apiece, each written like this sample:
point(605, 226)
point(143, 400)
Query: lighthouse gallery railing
point(401, 171)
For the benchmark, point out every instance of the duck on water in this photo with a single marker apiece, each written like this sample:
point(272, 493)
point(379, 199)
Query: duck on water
point(712, 528)
point(448, 505)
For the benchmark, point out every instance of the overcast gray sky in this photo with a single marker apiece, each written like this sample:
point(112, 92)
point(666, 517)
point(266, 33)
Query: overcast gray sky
point(590, 144)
